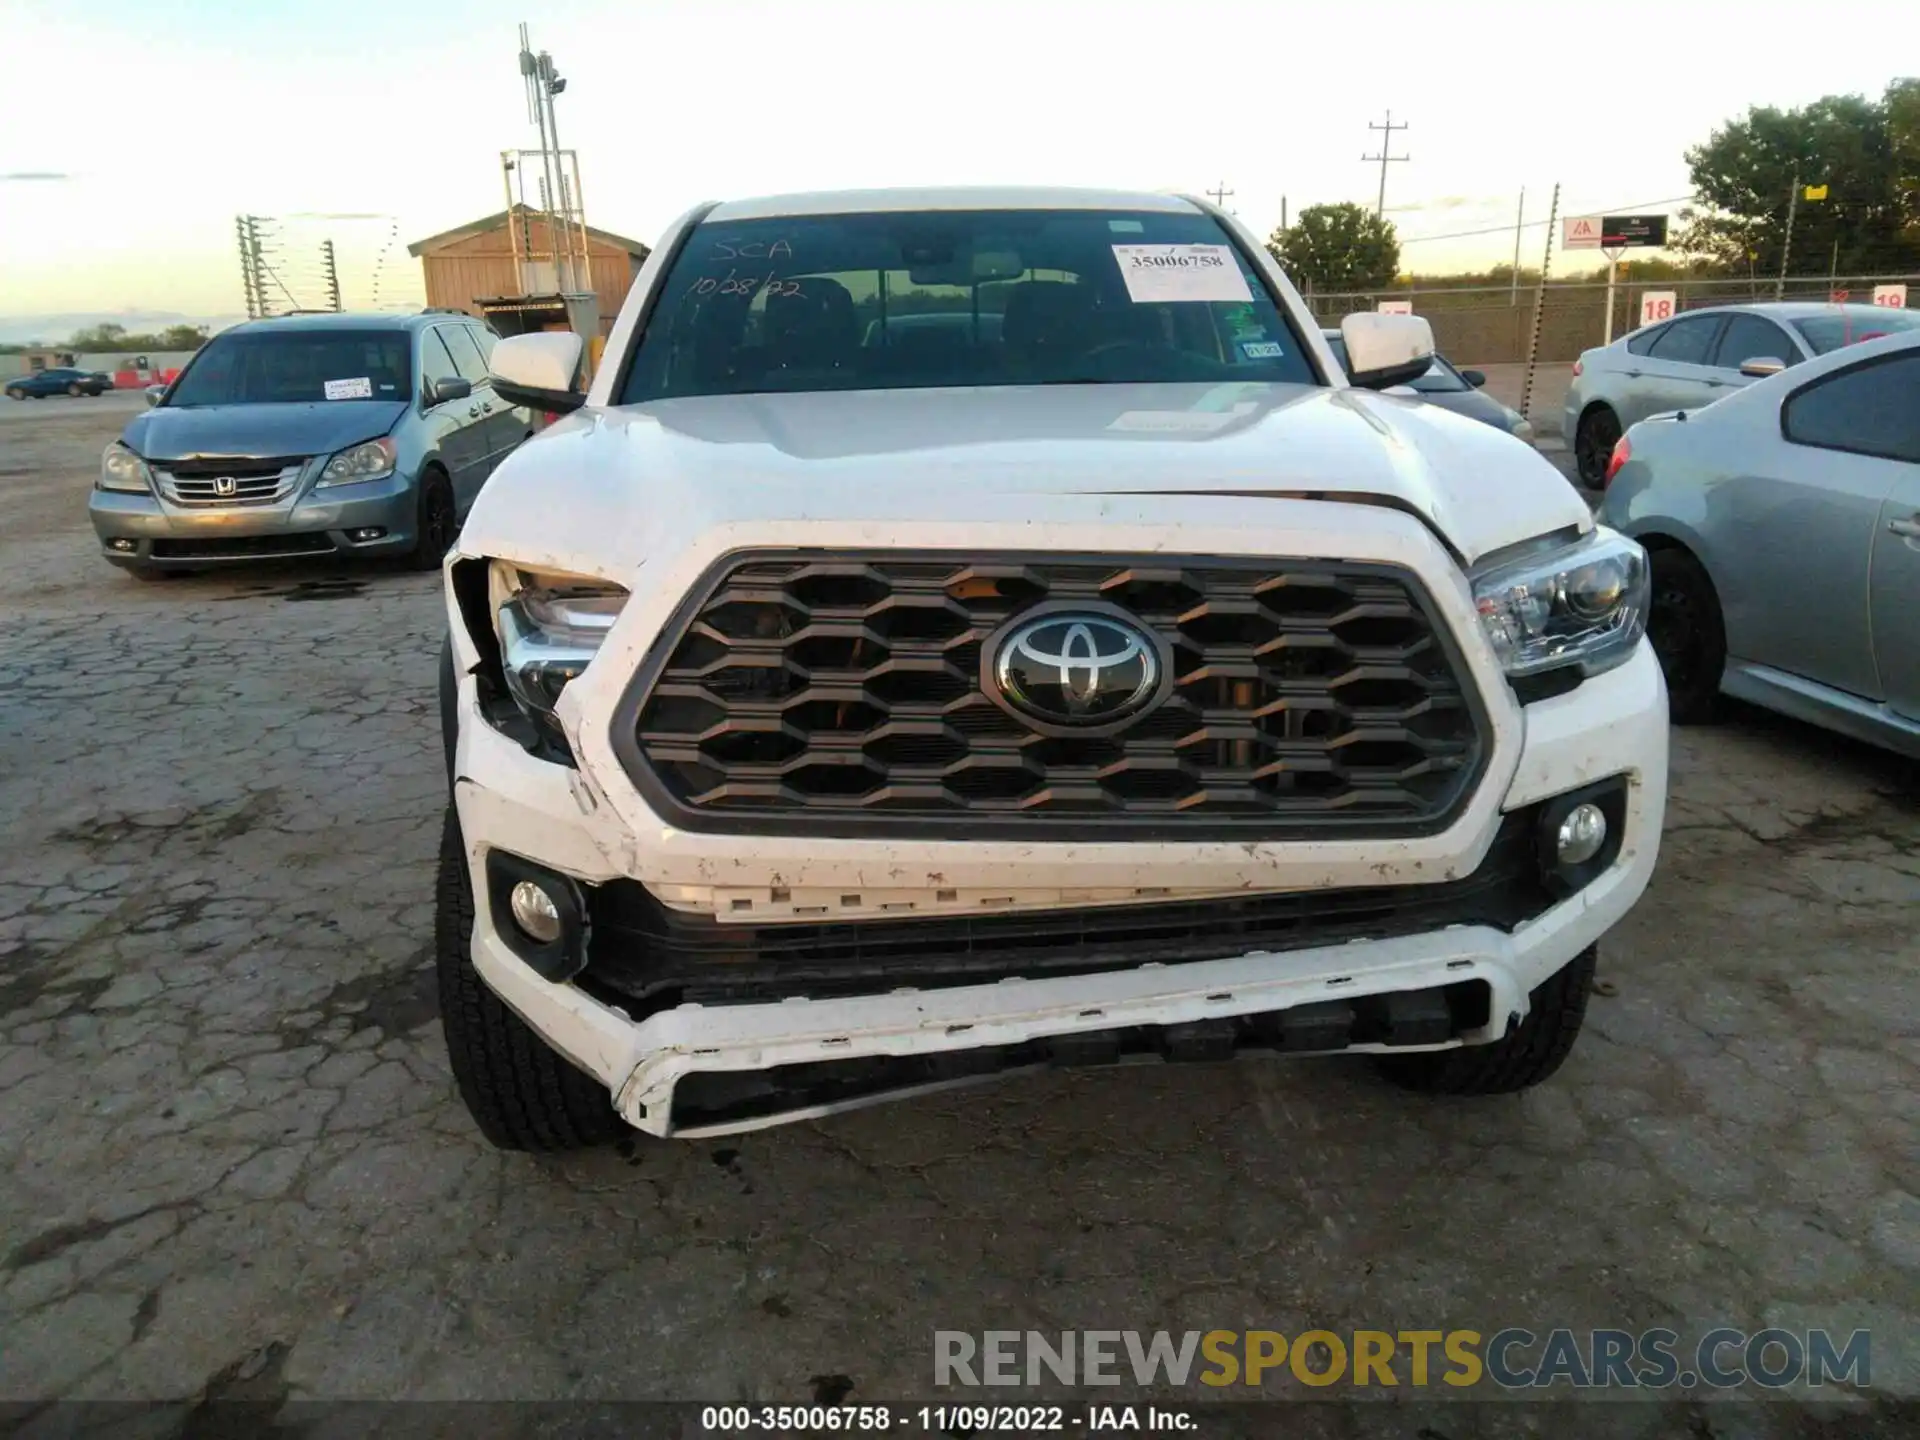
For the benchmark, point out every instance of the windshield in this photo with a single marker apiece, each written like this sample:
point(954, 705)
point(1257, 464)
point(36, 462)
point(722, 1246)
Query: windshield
point(1440, 379)
point(282, 366)
point(960, 297)
point(1830, 332)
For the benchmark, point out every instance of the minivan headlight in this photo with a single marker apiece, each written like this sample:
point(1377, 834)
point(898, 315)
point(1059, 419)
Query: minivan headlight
point(373, 460)
point(550, 626)
point(121, 469)
point(1582, 604)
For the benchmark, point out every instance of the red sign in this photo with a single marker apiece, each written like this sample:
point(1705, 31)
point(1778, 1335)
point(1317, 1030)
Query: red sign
point(1838, 297)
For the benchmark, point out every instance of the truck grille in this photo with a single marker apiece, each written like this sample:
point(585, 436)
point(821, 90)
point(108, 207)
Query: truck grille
point(202, 483)
point(842, 695)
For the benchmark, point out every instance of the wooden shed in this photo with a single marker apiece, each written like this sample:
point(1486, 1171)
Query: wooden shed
point(475, 262)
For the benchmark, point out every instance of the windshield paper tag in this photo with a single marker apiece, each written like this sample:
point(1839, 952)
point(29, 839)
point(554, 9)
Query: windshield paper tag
point(359, 388)
point(1156, 273)
point(1261, 349)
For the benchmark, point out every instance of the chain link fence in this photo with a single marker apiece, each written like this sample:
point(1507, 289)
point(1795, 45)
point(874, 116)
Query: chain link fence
point(1491, 324)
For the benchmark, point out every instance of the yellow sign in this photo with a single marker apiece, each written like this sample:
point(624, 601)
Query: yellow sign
point(1816, 192)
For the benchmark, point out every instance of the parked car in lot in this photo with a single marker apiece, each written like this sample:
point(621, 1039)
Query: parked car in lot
point(306, 435)
point(1783, 524)
point(58, 380)
point(828, 720)
point(1699, 357)
point(1455, 390)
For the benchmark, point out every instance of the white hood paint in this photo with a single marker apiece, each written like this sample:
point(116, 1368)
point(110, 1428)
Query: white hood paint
point(614, 484)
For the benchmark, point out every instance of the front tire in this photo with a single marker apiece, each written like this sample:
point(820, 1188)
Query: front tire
point(1689, 636)
point(16, 394)
point(1593, 441)
point(1519, 1061)
point(434, 521)
point(520, 1092)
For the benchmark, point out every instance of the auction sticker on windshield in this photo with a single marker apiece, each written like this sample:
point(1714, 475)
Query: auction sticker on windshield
point(359, 388)
point(1158, 273)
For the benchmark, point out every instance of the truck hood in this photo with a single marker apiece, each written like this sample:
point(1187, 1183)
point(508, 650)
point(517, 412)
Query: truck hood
point(920, 453)
point(259, 431)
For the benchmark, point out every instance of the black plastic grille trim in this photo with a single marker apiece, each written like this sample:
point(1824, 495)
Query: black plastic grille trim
point(837, 694)
point(642, 950)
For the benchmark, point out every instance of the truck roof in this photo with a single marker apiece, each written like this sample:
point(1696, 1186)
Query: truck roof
point(959, 197)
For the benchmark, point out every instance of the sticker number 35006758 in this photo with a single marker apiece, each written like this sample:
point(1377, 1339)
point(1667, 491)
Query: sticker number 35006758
point(1157, 273)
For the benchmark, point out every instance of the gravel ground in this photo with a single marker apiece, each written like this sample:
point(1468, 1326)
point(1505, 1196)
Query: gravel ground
point(235, 1164)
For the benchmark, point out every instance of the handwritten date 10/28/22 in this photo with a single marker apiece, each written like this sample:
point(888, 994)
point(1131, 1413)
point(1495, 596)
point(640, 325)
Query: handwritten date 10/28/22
point(734, 283)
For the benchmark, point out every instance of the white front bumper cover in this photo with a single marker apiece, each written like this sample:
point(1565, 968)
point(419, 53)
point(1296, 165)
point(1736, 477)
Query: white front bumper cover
point(1612, 725)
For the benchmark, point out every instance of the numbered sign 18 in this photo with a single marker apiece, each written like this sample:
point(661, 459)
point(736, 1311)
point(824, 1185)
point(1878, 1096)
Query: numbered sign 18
point(1893, 297)
point(1658, 305)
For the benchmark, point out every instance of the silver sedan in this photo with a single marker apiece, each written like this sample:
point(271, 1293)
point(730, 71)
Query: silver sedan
point(1696, 358)
point(1784, 528)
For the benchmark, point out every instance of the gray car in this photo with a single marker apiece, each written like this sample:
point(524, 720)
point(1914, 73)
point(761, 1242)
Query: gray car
point(309, 435)
point(1451, 389)
point(1698, 357)
point(1783, 524)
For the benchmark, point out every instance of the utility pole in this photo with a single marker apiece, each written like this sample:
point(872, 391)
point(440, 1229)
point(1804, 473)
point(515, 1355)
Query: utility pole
point(1219, 194)
point(1385, 157)
point(1540, 301)
point(1786, 245)
point(1283, 212)
point(333, 274)
point(1519, 223)
point(249, 275)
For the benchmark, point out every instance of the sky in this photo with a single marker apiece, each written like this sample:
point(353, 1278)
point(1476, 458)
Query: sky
point(138, 129)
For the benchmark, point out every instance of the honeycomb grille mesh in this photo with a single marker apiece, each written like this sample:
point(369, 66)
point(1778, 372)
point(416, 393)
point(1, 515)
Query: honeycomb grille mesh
point(844, 691)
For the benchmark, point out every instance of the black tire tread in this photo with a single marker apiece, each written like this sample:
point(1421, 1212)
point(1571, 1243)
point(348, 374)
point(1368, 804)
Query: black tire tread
point(1523, 1059)
point(421, 557)
point(1699, 706)
point(521, 1093)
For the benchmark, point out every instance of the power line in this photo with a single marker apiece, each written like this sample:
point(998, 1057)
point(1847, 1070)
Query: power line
point(1508, 229)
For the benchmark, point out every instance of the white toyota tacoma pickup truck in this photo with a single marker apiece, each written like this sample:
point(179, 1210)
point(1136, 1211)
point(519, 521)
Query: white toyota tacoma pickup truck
point(965, 630)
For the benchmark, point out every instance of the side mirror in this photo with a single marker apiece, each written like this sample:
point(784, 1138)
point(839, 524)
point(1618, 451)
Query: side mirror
point(1761, 366)
point(538, 370)
point(1475, 378)
point(155, 394)
point(448, 387)
point(1386, 350)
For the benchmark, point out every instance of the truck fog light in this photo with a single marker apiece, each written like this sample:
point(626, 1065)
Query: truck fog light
point(534, 910)
point(1580, 837)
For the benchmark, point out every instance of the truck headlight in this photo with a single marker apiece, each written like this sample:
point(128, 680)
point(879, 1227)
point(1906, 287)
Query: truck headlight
point(121, 469)
point(373, 460)
point(550, 626)
point(1582, 604)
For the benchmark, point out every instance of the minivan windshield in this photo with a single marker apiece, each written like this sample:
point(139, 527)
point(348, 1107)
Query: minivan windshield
point(918, 299)
point(279, 366)
point(1830, 332)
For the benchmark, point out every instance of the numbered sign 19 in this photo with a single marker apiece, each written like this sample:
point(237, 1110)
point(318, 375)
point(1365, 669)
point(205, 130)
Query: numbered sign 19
point(1893, 297)
point(1658, 305)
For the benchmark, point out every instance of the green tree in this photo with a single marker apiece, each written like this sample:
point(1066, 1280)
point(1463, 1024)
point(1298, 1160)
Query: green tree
point(180, 337)
point(1338, 247)
point(1903, 137)
point(1745, 174)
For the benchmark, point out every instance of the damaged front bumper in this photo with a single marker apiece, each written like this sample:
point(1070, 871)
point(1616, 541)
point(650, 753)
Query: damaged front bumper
point(1343, 951)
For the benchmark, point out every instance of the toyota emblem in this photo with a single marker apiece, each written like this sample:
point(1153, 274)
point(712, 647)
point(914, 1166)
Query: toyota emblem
point(1075, 667)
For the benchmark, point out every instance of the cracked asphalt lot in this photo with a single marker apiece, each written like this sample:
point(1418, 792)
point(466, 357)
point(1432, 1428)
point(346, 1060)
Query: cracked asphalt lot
point(234, 1162)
